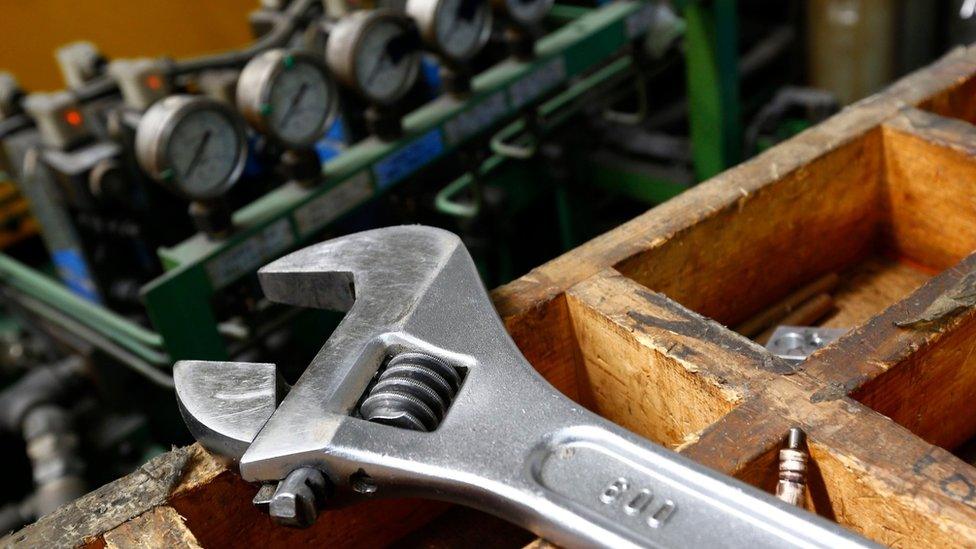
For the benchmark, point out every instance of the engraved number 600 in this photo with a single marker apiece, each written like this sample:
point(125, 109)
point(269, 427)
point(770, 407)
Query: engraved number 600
point(637, 502)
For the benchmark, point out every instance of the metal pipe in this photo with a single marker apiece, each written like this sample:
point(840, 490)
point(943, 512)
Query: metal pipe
point(49, 291)
point(53, 449)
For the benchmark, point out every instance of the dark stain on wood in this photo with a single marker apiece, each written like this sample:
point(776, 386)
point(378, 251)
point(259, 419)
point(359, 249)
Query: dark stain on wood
point(960, 297)
point(711, 332)
point(836, 390)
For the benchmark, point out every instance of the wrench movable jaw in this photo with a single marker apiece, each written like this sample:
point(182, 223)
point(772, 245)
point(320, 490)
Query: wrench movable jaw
point(225, 404)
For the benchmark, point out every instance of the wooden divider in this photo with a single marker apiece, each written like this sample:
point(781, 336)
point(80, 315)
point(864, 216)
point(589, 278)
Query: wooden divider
point(930, 163)
point(629, 324)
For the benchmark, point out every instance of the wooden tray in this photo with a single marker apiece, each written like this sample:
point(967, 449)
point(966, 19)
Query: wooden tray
point(632, 324)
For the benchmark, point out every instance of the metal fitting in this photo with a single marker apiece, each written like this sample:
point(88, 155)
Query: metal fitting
point(792, 484)
point(796, 343)
point(53, 448)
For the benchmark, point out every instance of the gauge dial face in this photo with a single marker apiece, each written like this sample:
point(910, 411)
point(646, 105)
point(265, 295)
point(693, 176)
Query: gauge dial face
point(528, 12)
point(462, 27)
point(192, 144)
point(203, 152)
point(386, 61)
point(288, 95)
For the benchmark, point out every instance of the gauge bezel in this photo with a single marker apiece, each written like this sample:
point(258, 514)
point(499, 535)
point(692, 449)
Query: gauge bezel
point(503, 6)
point(344, 43)
point(424, 12)
point(154, 133)
point(258, 79)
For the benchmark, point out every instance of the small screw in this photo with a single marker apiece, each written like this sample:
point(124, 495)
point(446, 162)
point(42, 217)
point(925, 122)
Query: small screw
point(362, 483)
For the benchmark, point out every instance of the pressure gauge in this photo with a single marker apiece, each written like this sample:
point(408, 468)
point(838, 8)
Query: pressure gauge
point(193, 145)
point(287, 95)
point(525, 12)
point(458, 29)
point(376, 53)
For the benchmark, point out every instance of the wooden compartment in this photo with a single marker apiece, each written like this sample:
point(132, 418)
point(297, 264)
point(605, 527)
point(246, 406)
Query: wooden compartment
point(634, 325)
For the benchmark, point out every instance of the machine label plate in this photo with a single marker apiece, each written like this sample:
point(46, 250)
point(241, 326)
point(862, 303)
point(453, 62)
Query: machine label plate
point(408, 159)
point(638, 22)
point(249, 254)
point(542, 79)
point(332, 204)
point(476, 119)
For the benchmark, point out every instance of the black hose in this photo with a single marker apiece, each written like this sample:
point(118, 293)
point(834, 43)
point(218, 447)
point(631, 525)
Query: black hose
point(278, 36)
point(41, 385)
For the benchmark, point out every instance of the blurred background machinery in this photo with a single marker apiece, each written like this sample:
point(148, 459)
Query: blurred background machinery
point(169, 149)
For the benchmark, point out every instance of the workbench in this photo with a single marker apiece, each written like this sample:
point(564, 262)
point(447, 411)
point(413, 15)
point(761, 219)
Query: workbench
point(633, 325)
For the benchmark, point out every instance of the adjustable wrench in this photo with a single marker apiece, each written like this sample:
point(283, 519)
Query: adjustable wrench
point(420, 391)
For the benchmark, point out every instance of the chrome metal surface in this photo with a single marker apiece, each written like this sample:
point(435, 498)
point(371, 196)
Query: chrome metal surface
point(224, 404)
point(371, 52)
point(296, 119)
point(457, 29)
point(509, 444)
point(796, 343)
point(156, 136)
point(298, 498)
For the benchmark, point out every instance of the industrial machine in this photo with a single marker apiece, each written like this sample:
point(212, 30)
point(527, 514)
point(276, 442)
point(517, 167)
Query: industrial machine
point(159, 186)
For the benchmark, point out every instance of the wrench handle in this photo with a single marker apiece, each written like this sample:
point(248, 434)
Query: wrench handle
point(611, 488)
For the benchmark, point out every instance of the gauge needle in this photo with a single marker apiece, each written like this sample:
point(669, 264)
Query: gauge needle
point(450, 33)
point(384, 60)
point(198, 154)
point(294, 103)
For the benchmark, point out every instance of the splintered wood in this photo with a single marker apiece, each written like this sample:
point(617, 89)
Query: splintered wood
point(865, 222)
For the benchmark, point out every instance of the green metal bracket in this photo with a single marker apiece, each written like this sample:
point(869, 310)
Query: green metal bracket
point(179, 302)
point(144, 344)
point(713, 85)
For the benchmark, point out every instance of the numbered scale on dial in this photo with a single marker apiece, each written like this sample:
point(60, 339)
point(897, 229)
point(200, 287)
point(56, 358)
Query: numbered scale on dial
point(193, 145)
point(376, 53)
point(289, 96)
point(527, 13)
point(457, 29)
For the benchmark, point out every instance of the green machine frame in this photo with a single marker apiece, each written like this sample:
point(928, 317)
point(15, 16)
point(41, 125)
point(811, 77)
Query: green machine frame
point(591, 47)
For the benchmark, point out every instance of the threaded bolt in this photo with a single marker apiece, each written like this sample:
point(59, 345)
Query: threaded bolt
point(792, 484)
point(413, 392)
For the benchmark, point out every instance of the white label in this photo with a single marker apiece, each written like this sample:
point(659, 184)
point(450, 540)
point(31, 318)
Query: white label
point(332, 204)
point(539, 81)
point(249, 254)
point(476, 119)
point(638, 22)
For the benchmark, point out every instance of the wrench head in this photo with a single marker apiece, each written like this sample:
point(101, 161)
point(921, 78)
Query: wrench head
point(402, 288)
point(383, 271)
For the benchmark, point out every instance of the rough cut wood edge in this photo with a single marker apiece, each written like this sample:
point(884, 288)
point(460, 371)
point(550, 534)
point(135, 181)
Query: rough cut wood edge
point(533, 306)
point(85, 520)
point(656, 367)
point(159, 527)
